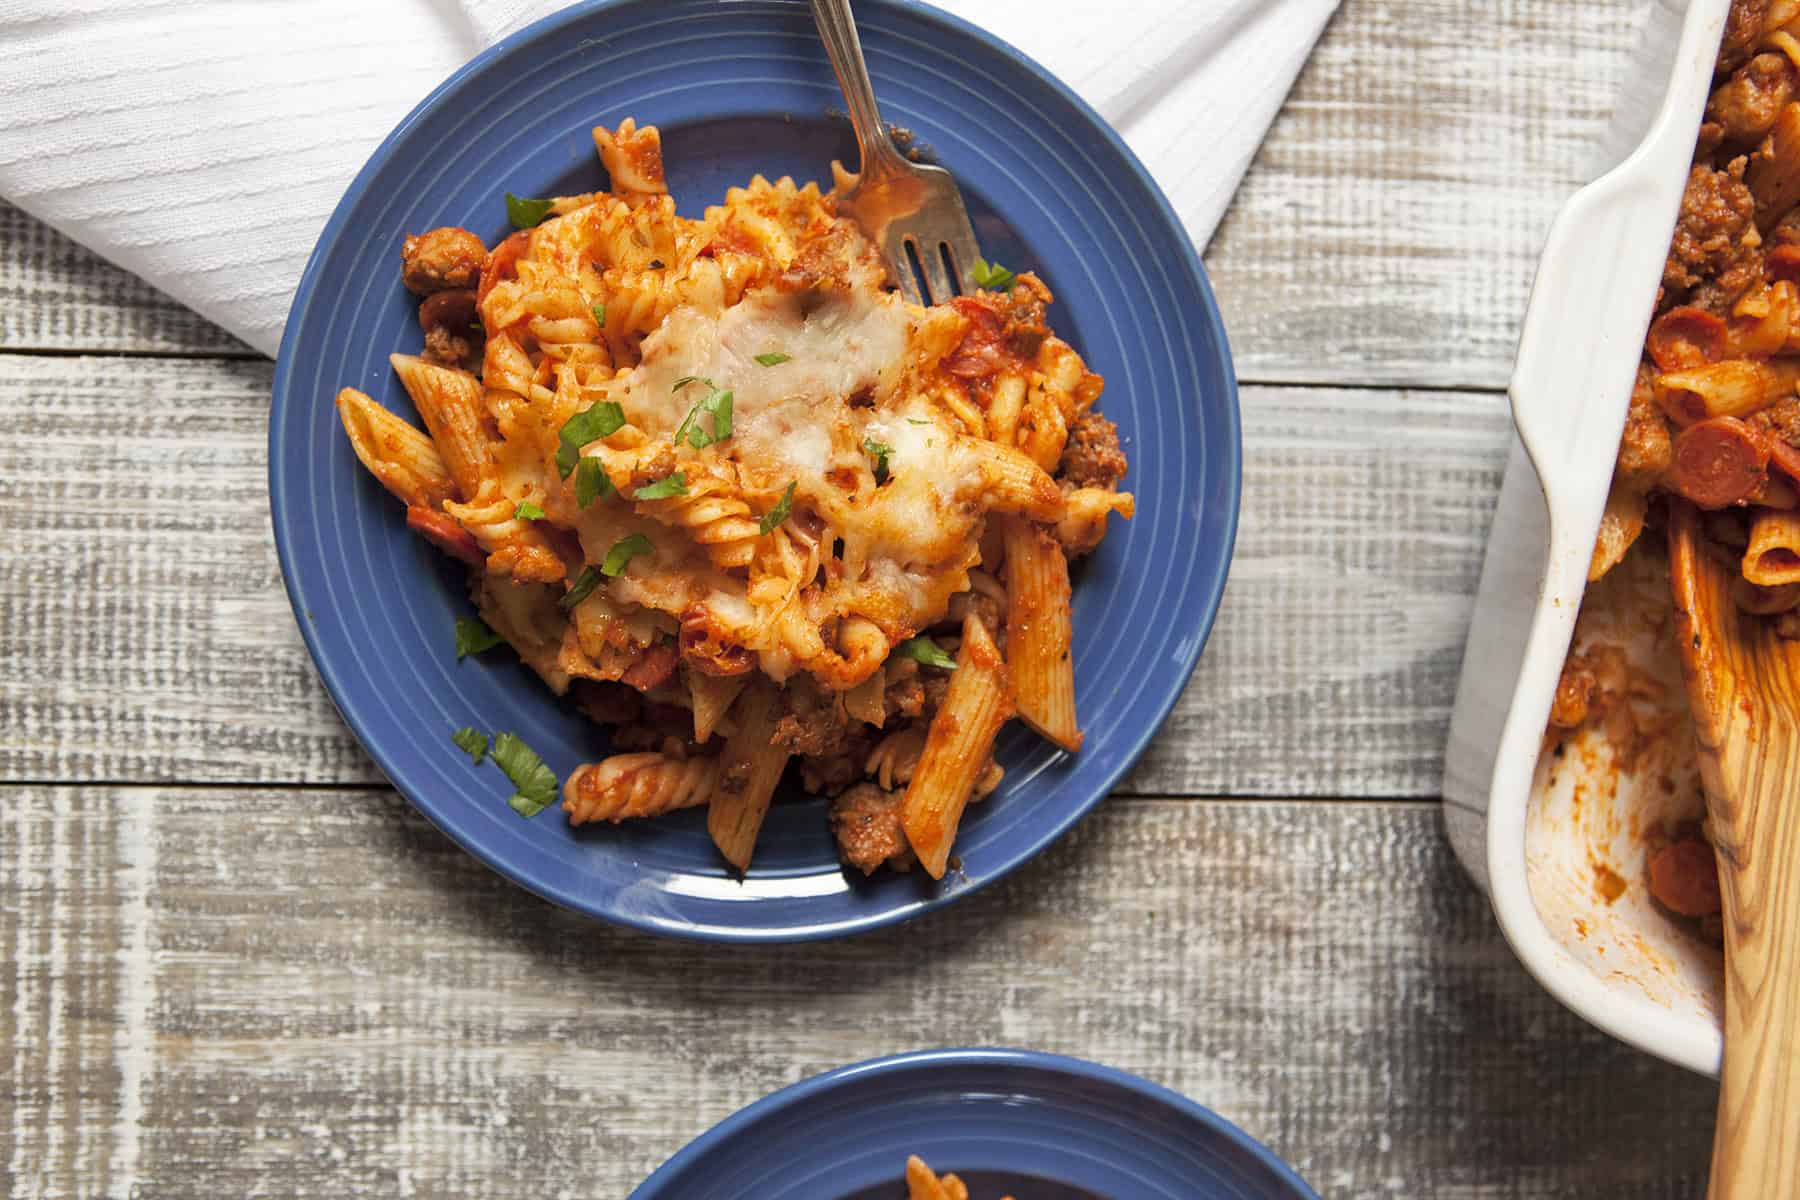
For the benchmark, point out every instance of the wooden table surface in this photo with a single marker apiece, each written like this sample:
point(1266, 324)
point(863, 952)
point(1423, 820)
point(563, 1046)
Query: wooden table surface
point(233, 963)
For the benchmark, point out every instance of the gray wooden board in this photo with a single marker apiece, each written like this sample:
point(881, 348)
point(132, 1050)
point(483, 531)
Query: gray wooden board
point(241, 993)
point(1386, 234)
point(149, 638)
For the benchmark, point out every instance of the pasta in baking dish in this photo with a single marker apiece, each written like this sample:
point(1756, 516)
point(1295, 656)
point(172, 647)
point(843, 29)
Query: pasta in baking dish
point(720, 486)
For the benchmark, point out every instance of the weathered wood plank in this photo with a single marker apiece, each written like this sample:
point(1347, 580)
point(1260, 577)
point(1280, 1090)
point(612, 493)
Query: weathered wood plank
point(315, 994)
point(1387, 232)
point(149, 638)
point(1390, 226)
point(56, 295)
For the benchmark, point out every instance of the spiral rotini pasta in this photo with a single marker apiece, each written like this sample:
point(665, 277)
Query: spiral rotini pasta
point(717, 467)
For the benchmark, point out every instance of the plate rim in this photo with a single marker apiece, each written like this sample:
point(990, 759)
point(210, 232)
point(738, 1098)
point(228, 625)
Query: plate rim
point(1133, 745)
point(1043, 1062)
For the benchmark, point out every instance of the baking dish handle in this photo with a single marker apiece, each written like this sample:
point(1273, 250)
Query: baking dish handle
point(1583, 330)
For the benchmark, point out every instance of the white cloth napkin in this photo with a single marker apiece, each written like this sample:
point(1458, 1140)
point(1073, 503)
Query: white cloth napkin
point(203, 143)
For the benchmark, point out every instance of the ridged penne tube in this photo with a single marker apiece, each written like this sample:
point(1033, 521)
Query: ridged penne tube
point(628, 786)
point(1735, 388)
point(712, 697)
point(449, 402)
point(1774, 175)
point(1764, 601)
point(1011, 482)
point(962, 732)
point(401, 456)
point(1773, 556)
point(1038, 633)
point(751, 766)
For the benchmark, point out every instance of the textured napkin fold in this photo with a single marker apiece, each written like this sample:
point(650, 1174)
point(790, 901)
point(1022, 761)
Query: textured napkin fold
point(203, 143)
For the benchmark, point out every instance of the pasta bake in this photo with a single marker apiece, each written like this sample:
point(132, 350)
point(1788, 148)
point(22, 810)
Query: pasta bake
point(722, 489)
point(1714, 419)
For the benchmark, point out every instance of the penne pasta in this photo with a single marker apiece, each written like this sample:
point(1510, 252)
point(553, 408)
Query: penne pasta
point(1013, 483)
point(1735, 388)
point(1039, 632)
point(402, 457)
point(978, 702)
point(1773, 556)
point(750, 767)
point(450, 404)
point(1774, 175)
point(712, 696)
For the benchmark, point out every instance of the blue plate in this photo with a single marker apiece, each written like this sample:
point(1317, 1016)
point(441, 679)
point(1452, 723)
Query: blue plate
point(1009, 1122)
point(737, 89)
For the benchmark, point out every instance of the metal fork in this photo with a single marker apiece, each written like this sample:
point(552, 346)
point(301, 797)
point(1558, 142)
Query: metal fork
point(914, 214)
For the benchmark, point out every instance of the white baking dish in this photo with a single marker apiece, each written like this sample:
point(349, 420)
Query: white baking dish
point(1543, 837)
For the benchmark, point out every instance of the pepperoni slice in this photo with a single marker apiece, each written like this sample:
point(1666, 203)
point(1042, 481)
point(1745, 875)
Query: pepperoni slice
point(1684, 878)
point(1719, 462)
point(1686, 337)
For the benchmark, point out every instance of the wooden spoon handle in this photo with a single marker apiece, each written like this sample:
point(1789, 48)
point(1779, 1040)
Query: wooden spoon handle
point(1756, 1145)
point(1744, 691)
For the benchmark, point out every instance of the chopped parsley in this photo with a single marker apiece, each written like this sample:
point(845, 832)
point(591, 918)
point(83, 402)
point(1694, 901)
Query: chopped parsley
point(991, 276)
point(916, 421)
point(779, 513)
point(591, 482)
point(662, 489)
point(534, 783)
point(622, 552)
point(879, 452)
point(524, 212)
point(473, 636)
point(527, 511)
point(471, 743)
point(600, 314)
point(717, 404)
point(923, 649)
point(584, 584)
point(591, 425)
point(772, 360)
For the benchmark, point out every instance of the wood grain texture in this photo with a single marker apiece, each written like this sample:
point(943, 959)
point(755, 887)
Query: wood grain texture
point(56, 295)
point(150, 639)
point(1387, 232)
point(257, 993)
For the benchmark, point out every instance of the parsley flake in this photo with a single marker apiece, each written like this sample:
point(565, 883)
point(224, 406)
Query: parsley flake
point(591, 482)
point(600, 315)
point(534, 783)
point(584, 584)
point(622, 552)
point(879, 452)
point(991, 276)
point(527, 511)
point(525, 212)
point(923, 649)
point(779, 513)
point(662, 489)
point(591, 425)
point(772, 360)
point(473, 636)
point(916, 421)
point(474, 744)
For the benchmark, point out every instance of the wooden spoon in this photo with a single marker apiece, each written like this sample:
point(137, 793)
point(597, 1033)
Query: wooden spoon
point(1743, 684)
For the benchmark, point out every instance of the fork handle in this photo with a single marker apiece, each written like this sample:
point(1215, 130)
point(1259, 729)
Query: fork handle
point(837, 29)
